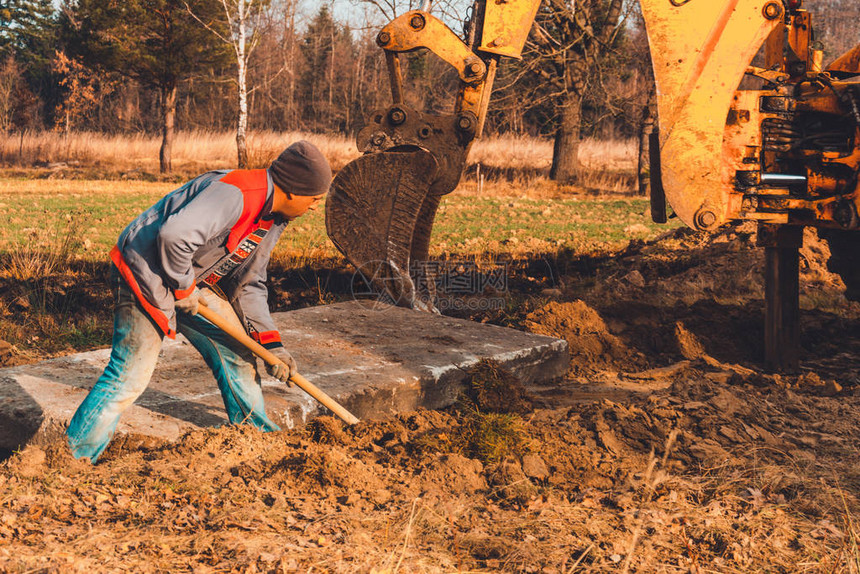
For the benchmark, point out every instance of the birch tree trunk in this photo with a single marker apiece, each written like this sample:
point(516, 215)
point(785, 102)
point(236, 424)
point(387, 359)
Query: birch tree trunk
point(237, 14)
point(242, 64)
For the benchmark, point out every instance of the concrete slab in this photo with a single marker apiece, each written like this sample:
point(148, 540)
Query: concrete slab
point(376, 361)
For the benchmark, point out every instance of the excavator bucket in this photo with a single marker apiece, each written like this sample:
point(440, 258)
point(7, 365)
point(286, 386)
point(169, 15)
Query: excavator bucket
point(379, 214)
point(382, 206)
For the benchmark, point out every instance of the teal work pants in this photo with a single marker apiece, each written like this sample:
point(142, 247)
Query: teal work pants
point(136, 345)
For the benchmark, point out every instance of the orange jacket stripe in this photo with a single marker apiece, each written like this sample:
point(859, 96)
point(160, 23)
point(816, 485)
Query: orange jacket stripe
point(254, 184)
point(267, 337)
point(183, 293)
point(157, 315)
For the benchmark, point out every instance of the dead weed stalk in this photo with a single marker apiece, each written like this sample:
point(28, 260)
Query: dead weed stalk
point(412, 515)
point(652, 479)
point(43, 251)
point(852, 536)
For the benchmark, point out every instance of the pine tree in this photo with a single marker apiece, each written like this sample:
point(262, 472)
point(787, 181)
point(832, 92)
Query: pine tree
point(327, 52)
point(28, 34)
point(156, 42)
point(28, 30)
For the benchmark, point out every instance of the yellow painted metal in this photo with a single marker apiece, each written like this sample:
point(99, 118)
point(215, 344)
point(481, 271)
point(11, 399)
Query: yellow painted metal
point(700, 51)
point(418, 29)
point(506, 26)
point(799, 36)
point(848, 63)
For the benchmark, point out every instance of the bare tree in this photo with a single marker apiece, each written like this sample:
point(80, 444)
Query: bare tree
point(571, 36)
point(10, 79)
point(242, 18)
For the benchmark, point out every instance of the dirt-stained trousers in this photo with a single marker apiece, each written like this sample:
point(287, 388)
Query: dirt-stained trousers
point(136, 345)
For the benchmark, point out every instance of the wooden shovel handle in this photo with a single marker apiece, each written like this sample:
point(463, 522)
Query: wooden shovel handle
point(271, 359)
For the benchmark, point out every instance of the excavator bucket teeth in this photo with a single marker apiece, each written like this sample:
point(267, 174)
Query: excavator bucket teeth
point(375, 205)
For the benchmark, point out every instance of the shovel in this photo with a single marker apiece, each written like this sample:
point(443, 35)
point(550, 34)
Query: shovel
point(262, 352)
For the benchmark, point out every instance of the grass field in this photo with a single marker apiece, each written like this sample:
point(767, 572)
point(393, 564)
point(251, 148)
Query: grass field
point(55, 236)
point(44, 213)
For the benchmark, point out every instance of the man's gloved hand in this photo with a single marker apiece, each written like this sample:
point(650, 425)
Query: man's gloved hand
point(283, 371)
point(189, 304)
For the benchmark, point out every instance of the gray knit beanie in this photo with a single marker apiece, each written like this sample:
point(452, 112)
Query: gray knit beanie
point(301, 169)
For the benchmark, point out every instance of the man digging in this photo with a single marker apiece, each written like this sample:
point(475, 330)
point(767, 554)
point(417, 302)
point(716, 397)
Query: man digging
point(206, 243)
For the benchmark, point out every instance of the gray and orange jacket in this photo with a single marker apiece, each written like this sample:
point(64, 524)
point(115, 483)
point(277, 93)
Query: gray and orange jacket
point(215, 230)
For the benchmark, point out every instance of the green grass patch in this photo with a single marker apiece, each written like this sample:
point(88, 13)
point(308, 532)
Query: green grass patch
point(465, 225)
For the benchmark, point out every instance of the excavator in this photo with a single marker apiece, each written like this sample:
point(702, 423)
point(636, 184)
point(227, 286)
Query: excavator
point(751, 127)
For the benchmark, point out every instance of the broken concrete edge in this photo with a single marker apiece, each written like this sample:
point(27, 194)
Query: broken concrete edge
point(370, 403)
point(545, 363)
point(396, 364)
point(450, 382)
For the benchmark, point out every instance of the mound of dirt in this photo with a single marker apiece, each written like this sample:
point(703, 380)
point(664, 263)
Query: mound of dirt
point(750, 477)
point(591, 344)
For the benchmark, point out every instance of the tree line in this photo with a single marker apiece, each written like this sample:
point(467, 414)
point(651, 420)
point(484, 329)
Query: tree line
point(129, 66)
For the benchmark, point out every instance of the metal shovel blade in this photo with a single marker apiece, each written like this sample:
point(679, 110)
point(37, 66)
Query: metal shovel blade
point(372, 212)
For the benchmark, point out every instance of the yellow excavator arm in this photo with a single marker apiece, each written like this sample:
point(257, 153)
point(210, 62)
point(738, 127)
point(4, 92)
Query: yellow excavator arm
point(381, 207)
point(743, 134)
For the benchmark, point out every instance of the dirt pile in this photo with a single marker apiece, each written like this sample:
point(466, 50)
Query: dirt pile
point(685, 267)
point(747, 477)
point(592, 346)
point(657, 299)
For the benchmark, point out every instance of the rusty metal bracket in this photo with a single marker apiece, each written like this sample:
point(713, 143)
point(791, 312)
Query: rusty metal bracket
point(776, 77)
point(447, 137)
point(417, 29)
point(848, 63)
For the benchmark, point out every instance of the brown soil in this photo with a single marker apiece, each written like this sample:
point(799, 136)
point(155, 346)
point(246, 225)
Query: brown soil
point(591, 344)
point(668, 449)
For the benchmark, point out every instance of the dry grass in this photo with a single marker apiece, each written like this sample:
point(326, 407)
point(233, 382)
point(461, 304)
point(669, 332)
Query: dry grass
point(506, 166)
point(516, 159)
point(42, 251)
point(617, 155)
point(536, 153)
point(512, 151)
point(206, 150)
